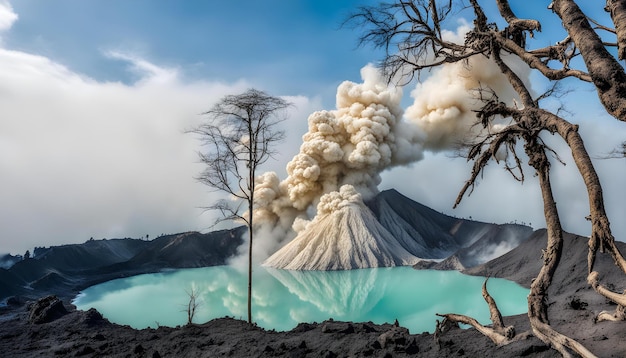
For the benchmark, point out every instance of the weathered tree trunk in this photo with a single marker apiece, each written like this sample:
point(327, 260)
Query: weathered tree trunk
point(607, 74)
point(601, 236)
point(617, 8)
point(538, 297)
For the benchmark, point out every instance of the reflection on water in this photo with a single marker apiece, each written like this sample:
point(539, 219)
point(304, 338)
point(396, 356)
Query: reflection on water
point(282, 299)
point(337, 293)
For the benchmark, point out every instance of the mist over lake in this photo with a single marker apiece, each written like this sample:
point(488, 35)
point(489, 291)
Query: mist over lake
point(284, 298)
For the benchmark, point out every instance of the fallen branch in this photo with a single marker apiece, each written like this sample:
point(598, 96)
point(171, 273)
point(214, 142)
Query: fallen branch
point(619, 299)
point(498, 333)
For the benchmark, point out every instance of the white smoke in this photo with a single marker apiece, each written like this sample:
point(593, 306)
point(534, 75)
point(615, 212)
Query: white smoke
point(337, 200)
point(349, 145)
point(445, 105)
point(367, 134)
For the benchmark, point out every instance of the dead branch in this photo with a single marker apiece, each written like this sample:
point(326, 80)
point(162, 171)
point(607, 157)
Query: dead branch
point(619, 299)
point(618, 315)
point(558, 341)
point(498, 333)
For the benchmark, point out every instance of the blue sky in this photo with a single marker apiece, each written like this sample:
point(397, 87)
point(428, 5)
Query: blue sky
point(97, 95)
point(294, 46)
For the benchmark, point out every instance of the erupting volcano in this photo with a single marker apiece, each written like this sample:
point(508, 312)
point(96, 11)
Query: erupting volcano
point(338, 171)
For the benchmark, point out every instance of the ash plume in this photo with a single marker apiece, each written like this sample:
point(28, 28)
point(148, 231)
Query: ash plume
point(445, 105)
point(369, 132)
point(350, 145)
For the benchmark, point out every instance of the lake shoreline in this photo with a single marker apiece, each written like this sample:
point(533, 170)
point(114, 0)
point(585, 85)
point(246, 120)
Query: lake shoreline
point(282, 298)
point(80, 333)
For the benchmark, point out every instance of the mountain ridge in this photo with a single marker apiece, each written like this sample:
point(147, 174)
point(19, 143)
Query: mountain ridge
point(388, 227)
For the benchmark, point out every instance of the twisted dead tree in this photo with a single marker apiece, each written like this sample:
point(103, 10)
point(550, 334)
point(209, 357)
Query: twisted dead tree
point(410, 32)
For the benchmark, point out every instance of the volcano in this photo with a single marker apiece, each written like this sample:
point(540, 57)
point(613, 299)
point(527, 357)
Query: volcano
point(344, 239)
point(393, 230)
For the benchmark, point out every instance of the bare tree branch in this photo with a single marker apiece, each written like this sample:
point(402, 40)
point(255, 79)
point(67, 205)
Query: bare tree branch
point(498, 332)
point(410, 33)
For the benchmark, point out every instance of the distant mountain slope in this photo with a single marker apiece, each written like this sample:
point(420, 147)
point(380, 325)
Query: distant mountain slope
point(8, 260)
point(185, 250)
point(493, 243)
point(429, 234)
point(77, 257)
point(394, 225)
point(68, 268)
point(523, 264)
point(9, 283)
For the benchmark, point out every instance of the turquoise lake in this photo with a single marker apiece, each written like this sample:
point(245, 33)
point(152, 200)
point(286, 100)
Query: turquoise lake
point(282, 298)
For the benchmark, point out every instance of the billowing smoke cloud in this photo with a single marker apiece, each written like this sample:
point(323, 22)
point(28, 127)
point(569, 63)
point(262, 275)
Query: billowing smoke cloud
point(350, 145)
point(445, 105)
point(367, 134)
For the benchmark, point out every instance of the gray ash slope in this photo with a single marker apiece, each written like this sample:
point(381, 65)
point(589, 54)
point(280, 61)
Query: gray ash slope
point(80, 333)
point(429, 234)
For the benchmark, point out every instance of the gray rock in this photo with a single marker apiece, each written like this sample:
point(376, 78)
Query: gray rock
point(46, 309)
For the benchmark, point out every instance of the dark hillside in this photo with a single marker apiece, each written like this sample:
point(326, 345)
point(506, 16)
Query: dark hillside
point(187, 250)
point(429, 234)
point(66, 269)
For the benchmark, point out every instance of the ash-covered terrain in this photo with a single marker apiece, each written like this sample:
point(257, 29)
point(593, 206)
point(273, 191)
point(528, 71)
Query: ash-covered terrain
point(67, 269)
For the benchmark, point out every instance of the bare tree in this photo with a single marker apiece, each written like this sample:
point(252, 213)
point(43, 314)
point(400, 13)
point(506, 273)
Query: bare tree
point(411, 33)
point(192, 304)
point(239, 137)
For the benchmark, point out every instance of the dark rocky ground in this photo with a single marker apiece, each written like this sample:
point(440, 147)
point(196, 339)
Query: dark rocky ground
point(573, 306)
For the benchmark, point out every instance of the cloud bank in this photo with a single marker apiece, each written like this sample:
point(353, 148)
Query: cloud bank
point(81, 158)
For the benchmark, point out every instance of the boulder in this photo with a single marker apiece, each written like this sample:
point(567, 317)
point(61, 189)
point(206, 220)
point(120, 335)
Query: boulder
point(46, 309)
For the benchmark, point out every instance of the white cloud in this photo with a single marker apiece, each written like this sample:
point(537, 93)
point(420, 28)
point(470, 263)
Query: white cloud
point(7, 15)
point(143, 68)
point(82, 158)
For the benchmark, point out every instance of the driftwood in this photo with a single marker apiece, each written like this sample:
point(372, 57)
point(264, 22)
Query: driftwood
point(498, 332)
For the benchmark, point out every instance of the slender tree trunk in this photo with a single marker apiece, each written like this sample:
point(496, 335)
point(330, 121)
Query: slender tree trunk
point(538, 297)
point(250, 267)
point(607, 74)
point(601, 236)
point(251, 173)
